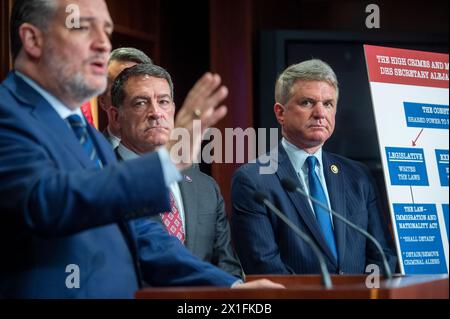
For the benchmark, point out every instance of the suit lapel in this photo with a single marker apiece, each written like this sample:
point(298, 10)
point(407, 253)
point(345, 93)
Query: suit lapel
point(286, 170)
point(48, 119)
point(188, 190)
point(58, 127)
point(336, 192)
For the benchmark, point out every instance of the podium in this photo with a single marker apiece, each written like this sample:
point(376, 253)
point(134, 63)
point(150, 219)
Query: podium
point(310, 287)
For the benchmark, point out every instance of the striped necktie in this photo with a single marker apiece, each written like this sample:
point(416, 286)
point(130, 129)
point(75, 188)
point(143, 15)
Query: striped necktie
point(322, 215)
point(81, 132)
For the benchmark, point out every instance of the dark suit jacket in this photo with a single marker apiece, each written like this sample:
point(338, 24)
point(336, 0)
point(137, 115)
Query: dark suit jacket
point(207, 230)
point(57, 209)
point(266, 245)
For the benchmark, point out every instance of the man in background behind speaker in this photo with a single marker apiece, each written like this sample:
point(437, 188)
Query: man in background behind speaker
point(119, 59)
point(144, 108)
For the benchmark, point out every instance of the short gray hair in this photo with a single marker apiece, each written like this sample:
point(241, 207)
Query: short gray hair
point(36, 12)
point(128, 54)
point(118, 88)
point(310, 70)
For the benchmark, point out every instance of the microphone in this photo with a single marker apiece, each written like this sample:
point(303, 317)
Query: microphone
point(290, 186)
point(262, 199)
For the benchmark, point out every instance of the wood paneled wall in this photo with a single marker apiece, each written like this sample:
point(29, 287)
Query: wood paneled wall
point(5, 59)
point(231, 29)
point(136, 24)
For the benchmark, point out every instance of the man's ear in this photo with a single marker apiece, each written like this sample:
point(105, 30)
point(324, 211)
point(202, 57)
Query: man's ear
point(32, 40)
point(101, 102)
point(113, 116)
point(278, 109)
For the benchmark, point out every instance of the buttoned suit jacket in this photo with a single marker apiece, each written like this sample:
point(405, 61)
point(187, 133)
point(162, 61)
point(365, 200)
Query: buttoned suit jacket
point(266, 245)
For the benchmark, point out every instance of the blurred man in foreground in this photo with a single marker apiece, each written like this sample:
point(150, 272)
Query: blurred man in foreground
point(71, 222)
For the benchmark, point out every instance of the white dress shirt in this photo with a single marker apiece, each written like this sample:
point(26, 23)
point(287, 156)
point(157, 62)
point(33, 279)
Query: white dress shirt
point(128, 154)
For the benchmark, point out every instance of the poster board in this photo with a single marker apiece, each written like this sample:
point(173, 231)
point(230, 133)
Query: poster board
point(410, 99)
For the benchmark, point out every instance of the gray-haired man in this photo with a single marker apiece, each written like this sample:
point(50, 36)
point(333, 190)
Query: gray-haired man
point(306, 96)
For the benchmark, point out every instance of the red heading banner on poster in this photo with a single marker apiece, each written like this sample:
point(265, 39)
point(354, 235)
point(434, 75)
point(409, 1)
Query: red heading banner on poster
point(399, 66)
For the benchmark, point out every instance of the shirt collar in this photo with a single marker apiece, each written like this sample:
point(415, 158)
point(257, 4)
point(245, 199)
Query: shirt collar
point(126, 153)
point(62, 110)
point(298, 156)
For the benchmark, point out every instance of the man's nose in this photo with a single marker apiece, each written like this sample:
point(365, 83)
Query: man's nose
point(153, 111)
point(319, 110)
point(102, 42)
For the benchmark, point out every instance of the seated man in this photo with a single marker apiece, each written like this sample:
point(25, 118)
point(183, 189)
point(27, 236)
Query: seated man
point(306, 96)
point(119, 59)
point(143, 106)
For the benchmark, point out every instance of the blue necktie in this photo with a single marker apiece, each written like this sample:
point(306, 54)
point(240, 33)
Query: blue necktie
point(81, 132)
point(322, 215)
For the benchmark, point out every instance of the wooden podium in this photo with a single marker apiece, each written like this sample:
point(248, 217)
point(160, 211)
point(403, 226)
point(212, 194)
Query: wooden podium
point(310, 286)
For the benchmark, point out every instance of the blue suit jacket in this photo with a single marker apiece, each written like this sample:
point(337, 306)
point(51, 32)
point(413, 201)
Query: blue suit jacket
point(57, 209)
point(266, 245)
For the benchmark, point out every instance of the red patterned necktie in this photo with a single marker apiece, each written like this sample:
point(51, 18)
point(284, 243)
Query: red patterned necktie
point(172, 220)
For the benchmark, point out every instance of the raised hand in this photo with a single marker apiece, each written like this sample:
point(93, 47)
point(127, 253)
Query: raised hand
point(201, 109)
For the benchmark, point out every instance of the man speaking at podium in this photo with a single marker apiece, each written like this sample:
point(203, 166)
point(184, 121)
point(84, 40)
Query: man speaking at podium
point(306, 96)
